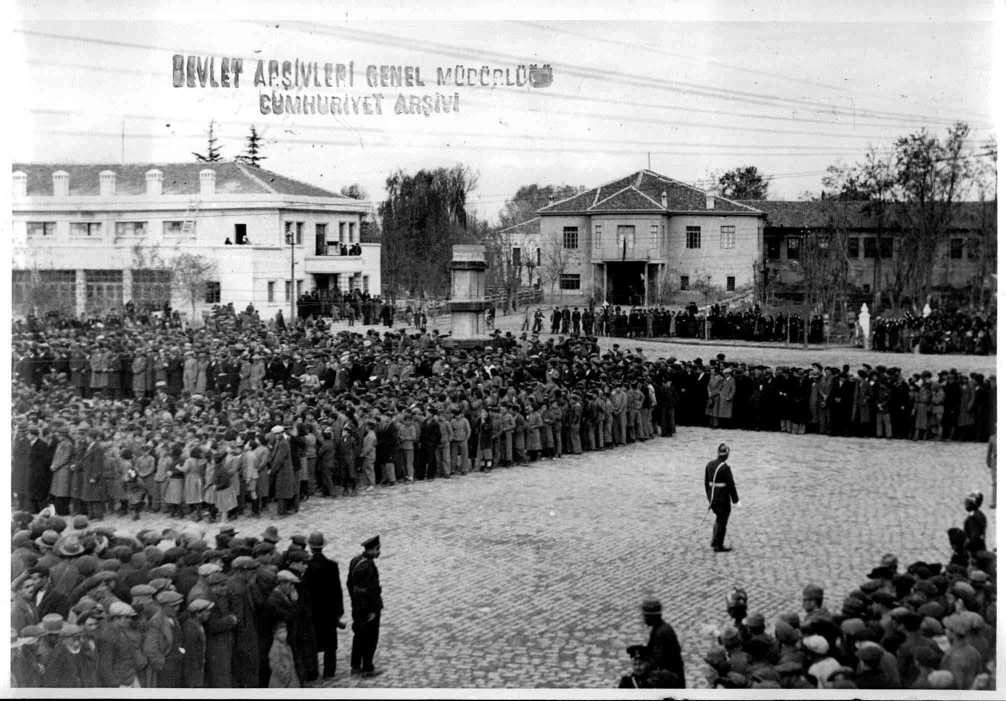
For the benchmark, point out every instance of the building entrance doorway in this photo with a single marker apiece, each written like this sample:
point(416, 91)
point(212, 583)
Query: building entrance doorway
point(626, 285)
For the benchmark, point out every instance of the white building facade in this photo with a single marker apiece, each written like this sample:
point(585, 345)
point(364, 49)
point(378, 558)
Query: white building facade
point(94, 237)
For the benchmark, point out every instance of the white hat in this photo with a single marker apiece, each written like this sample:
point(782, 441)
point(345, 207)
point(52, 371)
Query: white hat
point(287, 576)
point(278, 429)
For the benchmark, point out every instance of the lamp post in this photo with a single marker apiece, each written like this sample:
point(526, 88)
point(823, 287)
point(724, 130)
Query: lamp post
point(292, 240)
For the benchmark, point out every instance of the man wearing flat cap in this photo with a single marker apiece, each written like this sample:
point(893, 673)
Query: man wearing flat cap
point(720, 493)
point(324, 583)
point(364, 585)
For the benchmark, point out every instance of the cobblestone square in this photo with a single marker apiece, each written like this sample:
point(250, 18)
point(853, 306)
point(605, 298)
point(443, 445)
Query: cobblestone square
point(532, 576)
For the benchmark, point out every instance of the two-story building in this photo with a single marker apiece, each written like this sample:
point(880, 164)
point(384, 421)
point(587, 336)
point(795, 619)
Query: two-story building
point(644, 238)
point(95, 237)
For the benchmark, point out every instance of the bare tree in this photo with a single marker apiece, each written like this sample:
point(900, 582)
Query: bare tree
point(190, 274)
point(554, 259)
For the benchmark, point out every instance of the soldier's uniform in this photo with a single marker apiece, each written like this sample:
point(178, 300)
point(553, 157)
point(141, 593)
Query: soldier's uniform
point(364, 586)
point(720, 493)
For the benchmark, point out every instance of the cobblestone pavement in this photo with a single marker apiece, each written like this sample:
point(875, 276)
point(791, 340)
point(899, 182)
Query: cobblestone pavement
point(532, 576)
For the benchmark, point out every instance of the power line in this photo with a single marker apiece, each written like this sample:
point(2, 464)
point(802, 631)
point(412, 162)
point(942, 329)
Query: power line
point(588, 73)
point(661, 51)
point(481, 135)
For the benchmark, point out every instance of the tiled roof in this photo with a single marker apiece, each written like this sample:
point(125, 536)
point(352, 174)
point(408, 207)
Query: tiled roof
point(643, 190)
point(179, 179)
point(531, 226)
point(819, 214)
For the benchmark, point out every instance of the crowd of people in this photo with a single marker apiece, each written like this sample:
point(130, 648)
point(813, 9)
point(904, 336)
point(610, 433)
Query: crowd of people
point(344, 306)
point(242, 414)
point(938, 332)
point(96, 607)
point(929, 626)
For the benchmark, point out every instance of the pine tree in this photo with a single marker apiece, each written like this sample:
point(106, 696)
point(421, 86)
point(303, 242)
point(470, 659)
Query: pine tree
point(212, 154)
point(253, 149)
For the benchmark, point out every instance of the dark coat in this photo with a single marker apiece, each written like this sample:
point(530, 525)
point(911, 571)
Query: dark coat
point(725, 491)
point(244, 663)
point(325, 586)
point(194, 642)
point(39, 474)
point(93, 469)
point(364, 585)
point(64, 669)
point(665, 652)
point(219, 644)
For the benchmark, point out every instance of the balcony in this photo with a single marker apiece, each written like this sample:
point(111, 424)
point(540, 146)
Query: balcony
point(331, 264)
point(612, 251)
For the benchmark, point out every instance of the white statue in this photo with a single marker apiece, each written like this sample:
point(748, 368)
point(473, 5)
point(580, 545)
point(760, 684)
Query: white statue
point(864, 324)
point(926, 311)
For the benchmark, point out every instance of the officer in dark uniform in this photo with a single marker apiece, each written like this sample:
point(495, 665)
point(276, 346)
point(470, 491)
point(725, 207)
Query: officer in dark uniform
point(364, 586)
point(720, 493)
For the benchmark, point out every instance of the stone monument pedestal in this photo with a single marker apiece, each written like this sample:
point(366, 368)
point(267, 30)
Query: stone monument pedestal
point(468, 291)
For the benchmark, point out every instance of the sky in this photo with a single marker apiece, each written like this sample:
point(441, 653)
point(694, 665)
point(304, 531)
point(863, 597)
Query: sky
point(678, 87)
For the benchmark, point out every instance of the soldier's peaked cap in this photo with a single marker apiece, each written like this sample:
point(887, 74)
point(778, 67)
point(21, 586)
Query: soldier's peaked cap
point(374, 542)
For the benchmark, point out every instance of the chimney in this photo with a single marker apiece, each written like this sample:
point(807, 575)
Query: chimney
point(663, 199)
point(710, 200)
point(106, 183)
point(20, 179)
point(207, 182)
point(155, 181)
point(60, 183)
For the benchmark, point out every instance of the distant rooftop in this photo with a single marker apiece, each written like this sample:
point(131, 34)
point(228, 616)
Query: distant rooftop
point(179, 179)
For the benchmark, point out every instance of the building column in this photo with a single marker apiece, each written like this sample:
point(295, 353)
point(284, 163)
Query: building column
point(127, 285)
point(80, 296)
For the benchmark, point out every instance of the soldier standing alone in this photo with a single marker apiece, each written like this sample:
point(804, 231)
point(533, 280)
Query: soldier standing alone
point(721, 493)
point(364, 586)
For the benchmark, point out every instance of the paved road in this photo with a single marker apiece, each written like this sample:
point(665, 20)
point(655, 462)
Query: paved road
point(532, 576)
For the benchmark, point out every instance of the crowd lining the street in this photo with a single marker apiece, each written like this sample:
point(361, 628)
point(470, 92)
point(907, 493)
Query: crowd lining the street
point(136, 417)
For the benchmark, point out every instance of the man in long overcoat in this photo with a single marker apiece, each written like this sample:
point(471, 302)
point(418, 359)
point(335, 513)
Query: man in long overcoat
point(325, 586)
point(93, 493)
point(284, 480)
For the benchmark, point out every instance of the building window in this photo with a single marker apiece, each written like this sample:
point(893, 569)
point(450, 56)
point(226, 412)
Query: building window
point(537, 256)
point(886, 247)
point(342, 232)
point(41, 229)
point(46, 289)
point(973, 247)
point(177, 228)
point(626, 236)
point(151, 287)
point(597, 236)
point(684, 282)
point(731, 283)
point(792, 247)
point(728, 236)
point(366, 284)
point(213, 292)
point(773, 247)
point(21, 291)
point(300, 288)
point(354, 282)
point(654, 235)
point(320, 242)
point(130, 228)
point(515, 257)
point(956, 248)
point(352, 233)
point(102, 290)
point(693, 237)
point(241, 234)
point(854, 247)
point(869, 246)
point(287, 286)
point(570, 237)
point(270, 291)
point(87, 229)
point(297, 228)
point(569, 281)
